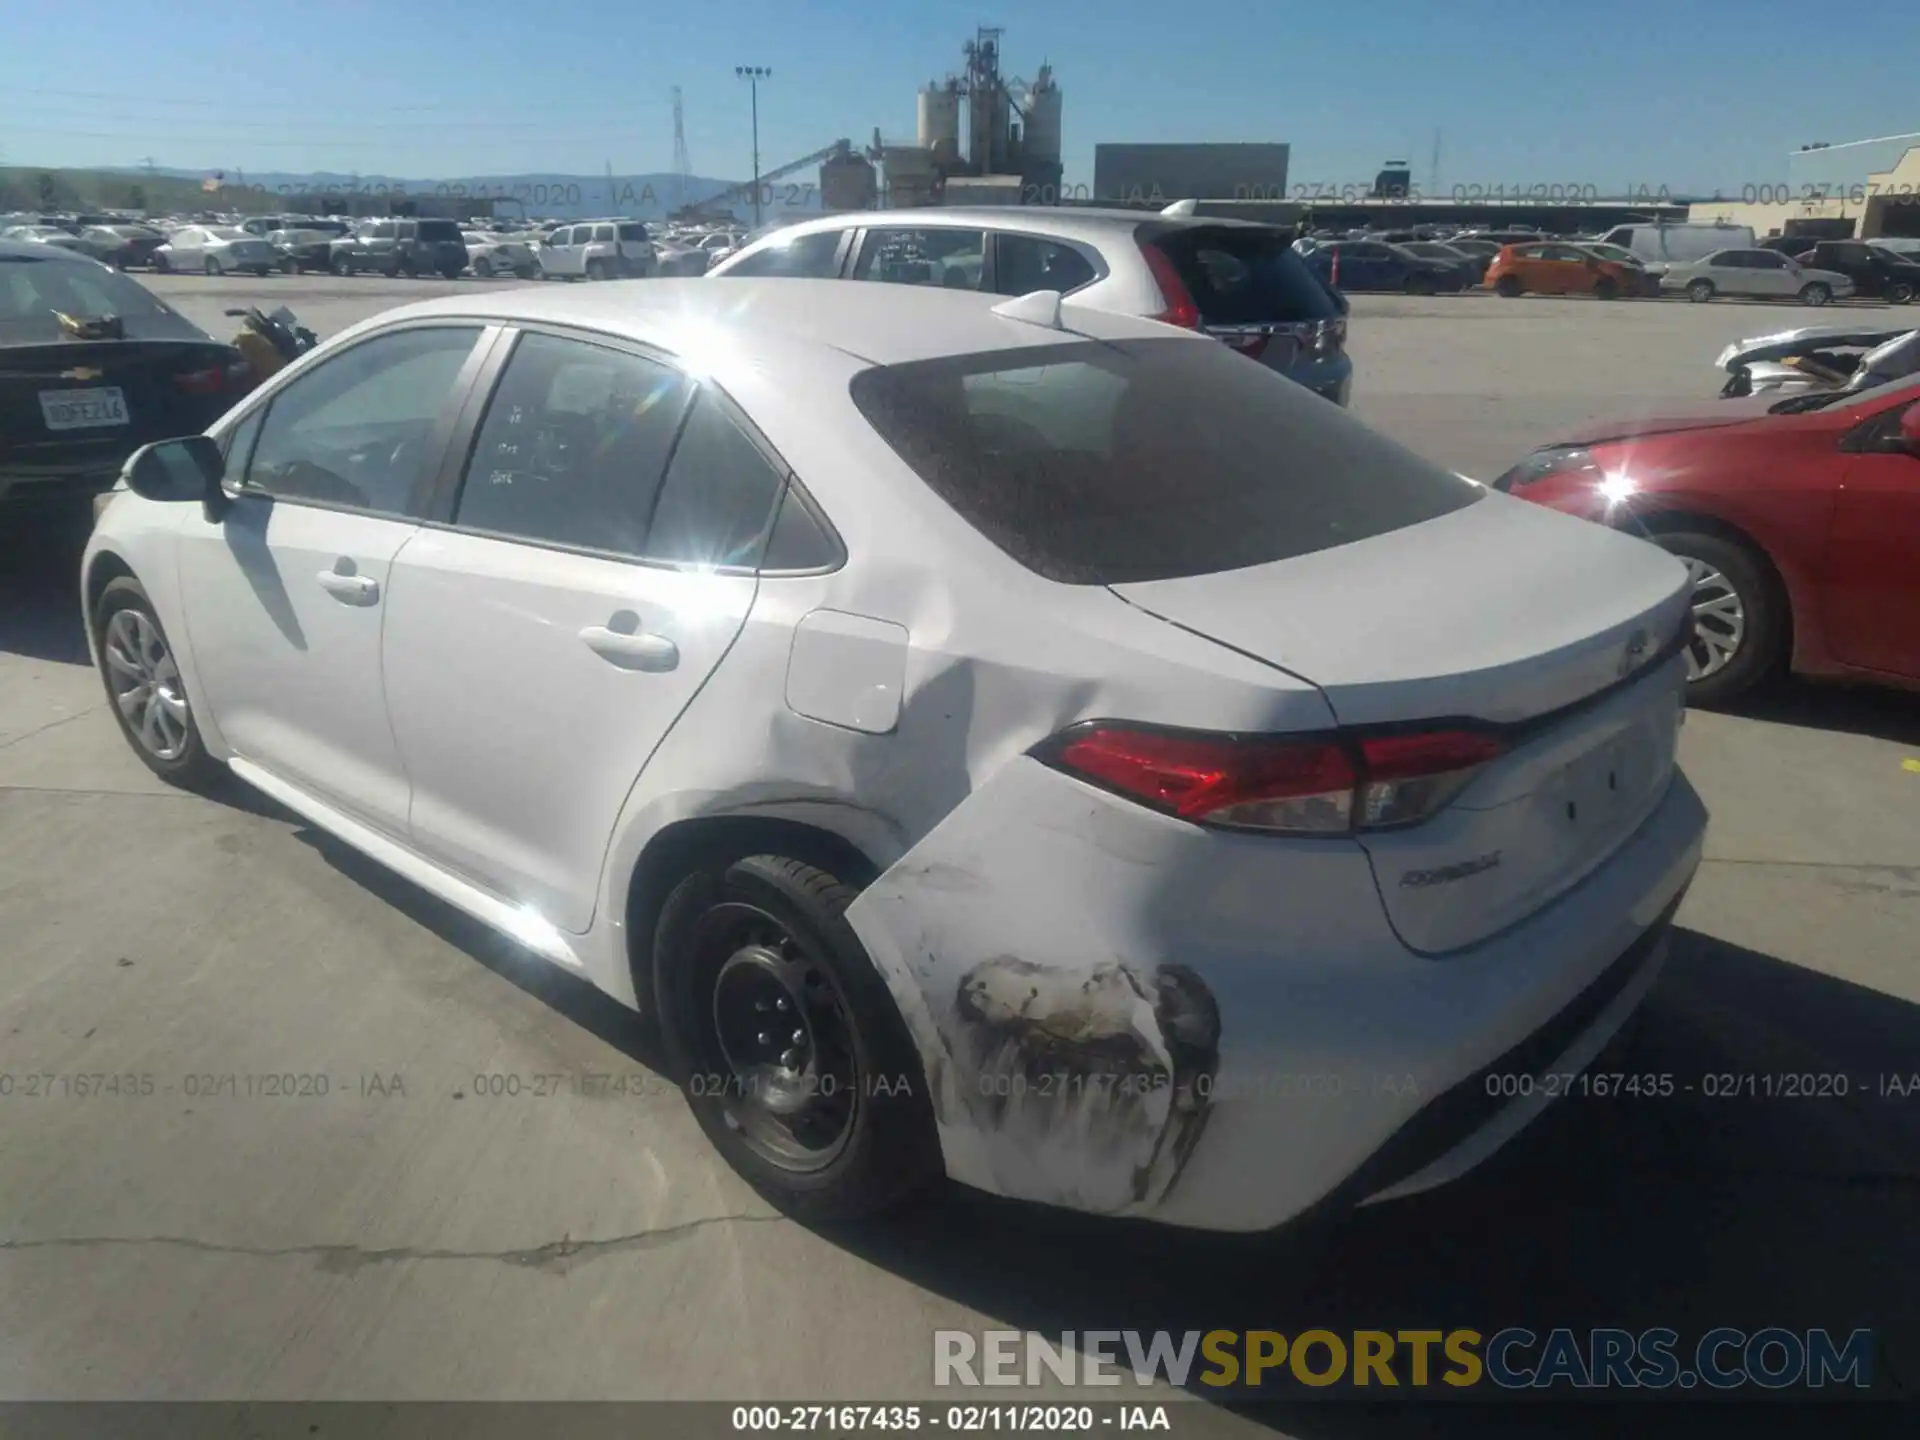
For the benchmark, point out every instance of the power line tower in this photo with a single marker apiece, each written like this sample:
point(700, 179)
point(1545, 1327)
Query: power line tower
point(682, 166)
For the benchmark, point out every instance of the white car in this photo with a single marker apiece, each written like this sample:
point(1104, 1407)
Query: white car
point(490, 253)
point(998, 739)
point(1756, 274)
point(597, 250)
point(216, 250)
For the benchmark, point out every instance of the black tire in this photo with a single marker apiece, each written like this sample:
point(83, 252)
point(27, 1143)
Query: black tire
point(482, 267)
point(341, 264)
point(211, 266)
point(1762, 645)
point(1815, 294)
point(597, 270)
point(1700, 291)
point(289, 266)
point(1606, 289)
point(192, 768)
point(161, 265)
point(884, 1151)
point(1507, 286)
point(1899, 293)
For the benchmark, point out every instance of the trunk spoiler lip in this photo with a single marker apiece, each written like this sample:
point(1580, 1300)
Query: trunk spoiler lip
point(1513, 733)
point(1784, 343)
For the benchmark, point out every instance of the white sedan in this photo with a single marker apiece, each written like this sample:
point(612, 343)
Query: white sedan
point(216, 250)
point(998, 739)
point(1753, 274)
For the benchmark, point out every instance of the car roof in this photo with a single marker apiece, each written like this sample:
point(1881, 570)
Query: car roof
point(1085, 222)
point(34, 250)
point(741, 318)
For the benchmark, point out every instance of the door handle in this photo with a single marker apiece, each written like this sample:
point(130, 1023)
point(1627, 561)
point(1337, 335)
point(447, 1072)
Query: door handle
point(632, 650)
point(354, 589)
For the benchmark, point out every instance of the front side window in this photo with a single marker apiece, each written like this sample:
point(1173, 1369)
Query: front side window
point(356, 431)
point(814, 256)
point(573, 446)
point(954, 259)
point(1104, 464)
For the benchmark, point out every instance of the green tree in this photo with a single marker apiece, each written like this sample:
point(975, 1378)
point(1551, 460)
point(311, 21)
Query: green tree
point(136, 197)
point(48, 188)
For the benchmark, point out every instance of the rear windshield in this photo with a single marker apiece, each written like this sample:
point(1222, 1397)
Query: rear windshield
point(1243, 276)
point(1102, 464)
point(436, 230)
point(34, 292)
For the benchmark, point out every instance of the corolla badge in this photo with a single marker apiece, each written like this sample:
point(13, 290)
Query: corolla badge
point(1447, 874)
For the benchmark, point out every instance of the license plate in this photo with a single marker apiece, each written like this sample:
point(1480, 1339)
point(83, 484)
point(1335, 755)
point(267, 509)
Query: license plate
point(83, 409)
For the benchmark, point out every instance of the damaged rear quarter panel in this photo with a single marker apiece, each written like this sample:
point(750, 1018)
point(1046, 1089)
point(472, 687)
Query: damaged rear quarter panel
point(1085, 963)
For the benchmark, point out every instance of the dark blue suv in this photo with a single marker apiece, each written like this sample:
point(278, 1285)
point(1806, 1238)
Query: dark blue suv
point(1376, 265)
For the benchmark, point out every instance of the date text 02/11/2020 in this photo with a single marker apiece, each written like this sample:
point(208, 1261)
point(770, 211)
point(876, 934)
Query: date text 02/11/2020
point(968, 1419)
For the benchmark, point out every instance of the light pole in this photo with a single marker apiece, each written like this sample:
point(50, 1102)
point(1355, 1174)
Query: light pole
point(753, 75)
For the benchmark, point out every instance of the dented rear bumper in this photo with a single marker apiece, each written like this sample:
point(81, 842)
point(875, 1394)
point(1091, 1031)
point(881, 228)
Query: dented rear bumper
point(1125, 1014)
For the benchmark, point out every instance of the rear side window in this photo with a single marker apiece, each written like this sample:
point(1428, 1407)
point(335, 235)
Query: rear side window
point(717, 504)
point(573, 446)
point(1246, 276)
point(633, 232)
point(1023, 264)
point(439, 230)
point(1102, 464)
point(952, 258)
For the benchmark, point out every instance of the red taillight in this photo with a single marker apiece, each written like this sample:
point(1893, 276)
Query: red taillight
point(1323, 786)
point(202, 382)
point(1180, 307)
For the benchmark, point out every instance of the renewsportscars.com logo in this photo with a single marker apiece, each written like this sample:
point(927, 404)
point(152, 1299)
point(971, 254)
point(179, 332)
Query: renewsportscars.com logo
point(1515, 1358)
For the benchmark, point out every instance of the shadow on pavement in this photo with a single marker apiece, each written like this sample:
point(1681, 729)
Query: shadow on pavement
point(1691, 1212)
point(1892, 715)
point(40, 584)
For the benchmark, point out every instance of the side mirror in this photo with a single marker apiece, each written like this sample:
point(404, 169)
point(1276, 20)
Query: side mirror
point(178, 471)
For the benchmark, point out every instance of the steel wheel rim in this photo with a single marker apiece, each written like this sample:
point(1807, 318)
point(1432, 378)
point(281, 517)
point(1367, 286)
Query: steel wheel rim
point(1719, 621)
point(783, 1035)
point(146, 685)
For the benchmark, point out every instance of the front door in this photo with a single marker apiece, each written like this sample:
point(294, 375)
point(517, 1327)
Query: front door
point(598, 563)
point(562, 256)
point(286, 596)
point(1871, 590)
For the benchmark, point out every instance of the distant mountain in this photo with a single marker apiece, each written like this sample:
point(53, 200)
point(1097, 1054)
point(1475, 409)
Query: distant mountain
point(553, 196)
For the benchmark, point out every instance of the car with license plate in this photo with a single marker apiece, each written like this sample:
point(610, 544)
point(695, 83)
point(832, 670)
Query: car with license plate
point(991, 736)
point(93, 366)
point(1798, 519)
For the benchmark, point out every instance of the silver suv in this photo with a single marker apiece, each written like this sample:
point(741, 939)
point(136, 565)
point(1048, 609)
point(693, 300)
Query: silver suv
point(1234, 279)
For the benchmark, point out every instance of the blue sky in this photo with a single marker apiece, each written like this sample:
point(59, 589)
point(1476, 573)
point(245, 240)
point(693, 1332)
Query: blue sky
point(1694, 95)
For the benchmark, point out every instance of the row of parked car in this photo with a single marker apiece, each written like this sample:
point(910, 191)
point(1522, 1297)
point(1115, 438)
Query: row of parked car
point(1702, 262)
point(604, 249)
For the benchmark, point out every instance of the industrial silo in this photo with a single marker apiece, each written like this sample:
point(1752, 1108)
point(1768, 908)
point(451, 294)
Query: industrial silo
point(939, 128)
point(1041, 142)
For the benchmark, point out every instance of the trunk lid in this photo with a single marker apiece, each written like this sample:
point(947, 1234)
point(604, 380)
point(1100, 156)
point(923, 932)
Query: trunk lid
point(1502, 613)
point(146, 373)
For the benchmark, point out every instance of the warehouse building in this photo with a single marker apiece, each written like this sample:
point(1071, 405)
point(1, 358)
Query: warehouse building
point(1862, 190)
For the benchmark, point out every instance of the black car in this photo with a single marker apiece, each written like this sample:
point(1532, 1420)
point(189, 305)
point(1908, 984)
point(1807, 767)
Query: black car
point(93, 366)
point(1874, 272)
point(125, 247)
point(1374, 265)
point(307, 244)
point(400, 247)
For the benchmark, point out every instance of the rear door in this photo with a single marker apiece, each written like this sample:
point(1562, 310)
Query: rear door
point(1871, 581)
point(1771, 273)
point(590, 566)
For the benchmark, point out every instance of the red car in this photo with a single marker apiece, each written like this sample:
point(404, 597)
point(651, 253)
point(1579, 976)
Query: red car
point(1799, 519)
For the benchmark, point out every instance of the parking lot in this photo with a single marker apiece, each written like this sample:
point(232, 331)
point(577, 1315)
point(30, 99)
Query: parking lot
point(411, 1235)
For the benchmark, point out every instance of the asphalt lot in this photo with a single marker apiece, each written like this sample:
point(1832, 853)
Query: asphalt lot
point(409, 1236)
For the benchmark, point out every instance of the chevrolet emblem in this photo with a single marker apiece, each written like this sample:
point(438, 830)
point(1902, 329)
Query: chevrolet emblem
point(82, 372)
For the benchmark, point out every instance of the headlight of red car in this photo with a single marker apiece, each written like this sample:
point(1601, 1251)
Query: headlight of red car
point(1551, 460)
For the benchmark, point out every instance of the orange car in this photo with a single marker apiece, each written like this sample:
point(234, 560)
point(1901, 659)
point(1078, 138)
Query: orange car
point(1552, 267)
